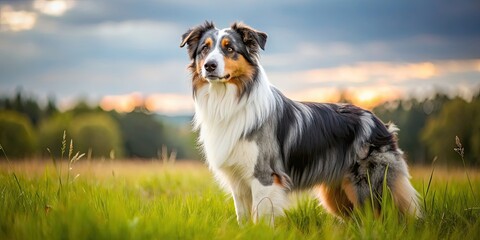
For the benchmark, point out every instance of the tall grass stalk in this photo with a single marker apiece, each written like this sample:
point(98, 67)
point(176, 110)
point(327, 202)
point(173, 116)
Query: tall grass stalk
point(62, 152)
point(71, 160)
point(372, 200)
point(10, 167)
point(425, 192)
point(460, 150)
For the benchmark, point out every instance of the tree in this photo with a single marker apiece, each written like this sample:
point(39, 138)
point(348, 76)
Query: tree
point(97, 134)
point(26, 106)
point(142, 134)
point(457, 118)
point(50, 133)
point(411, 116)
point(17, 136)
point(475, 138)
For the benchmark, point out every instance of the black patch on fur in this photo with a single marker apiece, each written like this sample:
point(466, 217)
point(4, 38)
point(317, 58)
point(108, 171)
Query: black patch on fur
point(192, 37)
point(209, 34)
point(324, 150)
point(329, 134)
point(240, 47)
point(254, 40)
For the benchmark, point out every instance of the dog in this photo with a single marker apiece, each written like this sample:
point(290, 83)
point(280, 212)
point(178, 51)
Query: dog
point(261, 145)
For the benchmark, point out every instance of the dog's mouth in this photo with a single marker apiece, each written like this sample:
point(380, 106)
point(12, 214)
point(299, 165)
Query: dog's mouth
point(214, 78)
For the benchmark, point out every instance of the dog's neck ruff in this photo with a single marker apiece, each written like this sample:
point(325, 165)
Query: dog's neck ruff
point(223, 117)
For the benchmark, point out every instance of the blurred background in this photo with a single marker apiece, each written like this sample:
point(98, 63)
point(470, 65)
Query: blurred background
point(111, 73)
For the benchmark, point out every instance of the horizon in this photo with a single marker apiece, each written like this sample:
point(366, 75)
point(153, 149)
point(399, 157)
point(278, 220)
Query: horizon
point(137, 102)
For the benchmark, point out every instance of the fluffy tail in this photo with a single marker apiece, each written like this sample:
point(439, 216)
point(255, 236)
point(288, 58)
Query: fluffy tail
point(392, 128)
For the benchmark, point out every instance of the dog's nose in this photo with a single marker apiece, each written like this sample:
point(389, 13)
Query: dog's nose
point(210, 66)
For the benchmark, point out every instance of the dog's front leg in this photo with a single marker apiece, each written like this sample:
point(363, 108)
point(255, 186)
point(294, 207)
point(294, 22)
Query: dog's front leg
point(268, 201)
point(242, 198)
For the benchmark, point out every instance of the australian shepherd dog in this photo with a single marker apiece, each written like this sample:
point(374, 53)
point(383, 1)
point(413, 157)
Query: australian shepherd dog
point(261, 145)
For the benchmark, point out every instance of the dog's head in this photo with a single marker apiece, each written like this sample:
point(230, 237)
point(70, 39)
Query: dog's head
point(223, 56)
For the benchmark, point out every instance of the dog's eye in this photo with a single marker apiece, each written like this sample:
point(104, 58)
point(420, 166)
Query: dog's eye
point(229, 49)
point(204, 48)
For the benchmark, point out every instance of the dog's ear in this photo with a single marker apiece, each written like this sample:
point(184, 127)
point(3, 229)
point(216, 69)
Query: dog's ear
point(252, 38)
point(192, 37)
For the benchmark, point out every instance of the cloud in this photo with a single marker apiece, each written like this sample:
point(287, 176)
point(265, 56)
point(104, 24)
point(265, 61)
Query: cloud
point(319, 94)
point(140, 51)
point(53, 7)
point(139, 34)
point(373, 72)
point(11, 20)
point(383, 72)
point(27, 18)
point(99, 77)
point(370, 83)
point(307, 54)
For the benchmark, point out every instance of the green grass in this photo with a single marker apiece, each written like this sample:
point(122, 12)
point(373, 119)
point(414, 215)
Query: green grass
point(148, 200)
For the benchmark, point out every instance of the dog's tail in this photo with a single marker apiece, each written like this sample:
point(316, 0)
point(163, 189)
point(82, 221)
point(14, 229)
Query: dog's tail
point(392, 128)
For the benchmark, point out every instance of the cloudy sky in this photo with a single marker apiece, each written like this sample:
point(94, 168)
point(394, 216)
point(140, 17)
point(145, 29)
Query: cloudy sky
point(119, 53)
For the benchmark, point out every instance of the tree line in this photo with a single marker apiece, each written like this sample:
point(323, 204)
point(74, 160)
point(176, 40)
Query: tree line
point(27, 129)
point(428, 128)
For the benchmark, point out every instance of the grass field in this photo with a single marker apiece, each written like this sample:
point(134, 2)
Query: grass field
point(149, 200)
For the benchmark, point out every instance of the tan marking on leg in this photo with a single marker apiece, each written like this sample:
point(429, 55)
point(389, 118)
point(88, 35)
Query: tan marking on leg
point(334, 200)
point(276, 179)
point(350, 191)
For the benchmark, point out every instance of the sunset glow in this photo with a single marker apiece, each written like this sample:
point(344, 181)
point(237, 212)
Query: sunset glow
point(183, 104)
point(165, 103)
point(316, 95)
point(169, 103)
point(374, 71)
point(365, 97)
point(53, 7)
point(121, 103)
point(371, 97)
point(16, 20)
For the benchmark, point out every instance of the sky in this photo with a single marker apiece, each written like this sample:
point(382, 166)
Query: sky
point(123, 53)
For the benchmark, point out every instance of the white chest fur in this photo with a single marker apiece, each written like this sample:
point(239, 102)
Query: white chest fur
point(224, 119)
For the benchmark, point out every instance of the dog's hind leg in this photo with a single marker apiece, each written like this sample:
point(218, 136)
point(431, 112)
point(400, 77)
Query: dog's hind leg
point(385, 169)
